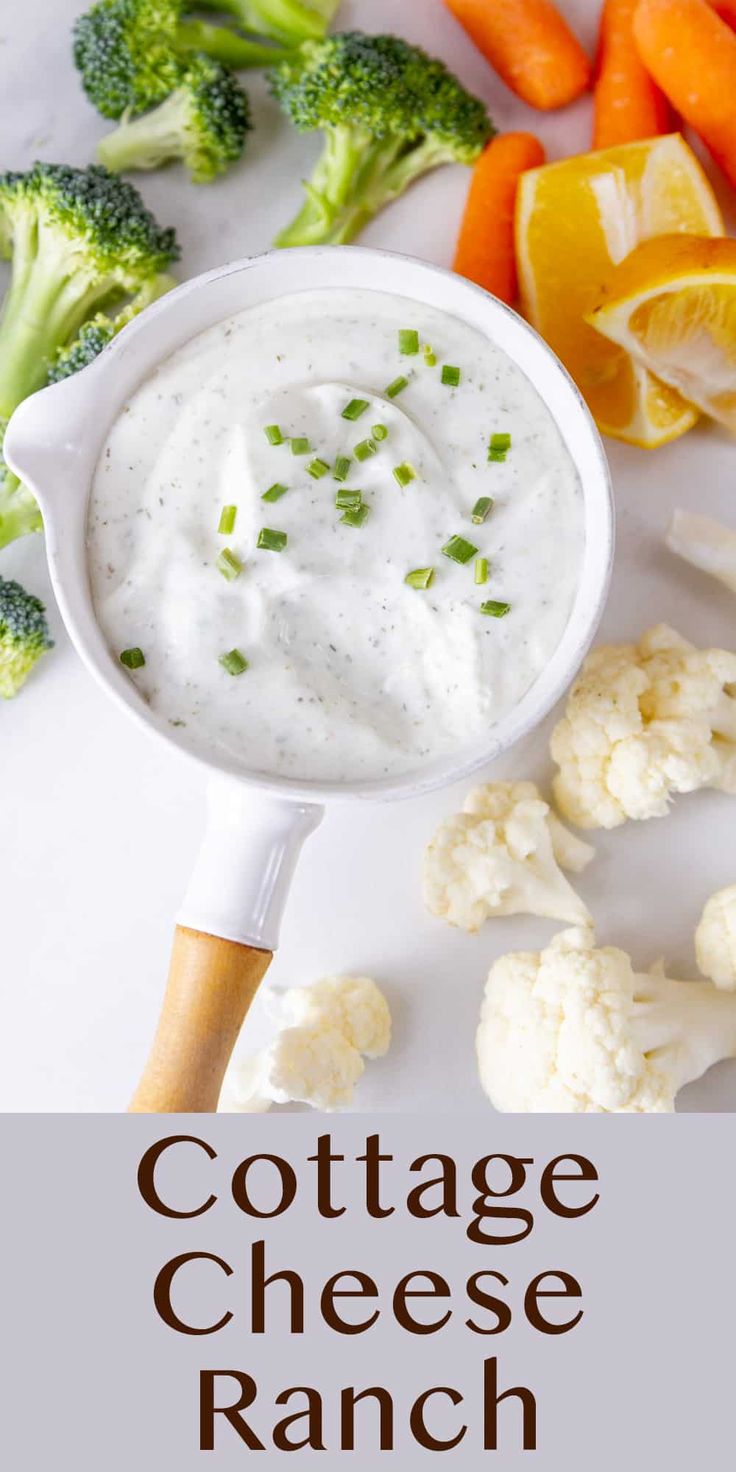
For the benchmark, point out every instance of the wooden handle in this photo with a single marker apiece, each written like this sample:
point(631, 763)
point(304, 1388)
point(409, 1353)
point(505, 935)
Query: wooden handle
point(211, 985)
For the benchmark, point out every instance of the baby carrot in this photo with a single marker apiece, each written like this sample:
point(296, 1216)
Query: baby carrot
point(485, 248)
point(627, 104)
point(530, 45)
point(726, 9)
point(691, 53)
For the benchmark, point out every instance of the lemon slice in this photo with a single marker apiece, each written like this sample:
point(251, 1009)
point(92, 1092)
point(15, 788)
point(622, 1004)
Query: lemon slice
point(575, 221)
point(672, 305)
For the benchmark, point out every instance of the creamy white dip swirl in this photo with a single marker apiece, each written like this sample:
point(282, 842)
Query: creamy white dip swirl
point(352, 674)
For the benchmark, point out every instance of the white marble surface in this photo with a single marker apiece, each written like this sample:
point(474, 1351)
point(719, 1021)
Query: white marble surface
point(99, 826)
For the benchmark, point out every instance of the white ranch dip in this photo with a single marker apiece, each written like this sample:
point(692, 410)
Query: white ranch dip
point(352, 674)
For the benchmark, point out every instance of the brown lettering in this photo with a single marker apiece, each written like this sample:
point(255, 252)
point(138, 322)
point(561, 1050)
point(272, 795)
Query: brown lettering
point(208, 1410)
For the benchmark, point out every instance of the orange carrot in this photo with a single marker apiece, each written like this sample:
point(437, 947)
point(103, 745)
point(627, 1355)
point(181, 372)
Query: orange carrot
point(726, 9)
point(485, 248)
point(691, 54)
point(627, 104)
point(530, 45)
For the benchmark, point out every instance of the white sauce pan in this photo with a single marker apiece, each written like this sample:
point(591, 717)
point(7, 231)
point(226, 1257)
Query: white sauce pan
point(229, 922)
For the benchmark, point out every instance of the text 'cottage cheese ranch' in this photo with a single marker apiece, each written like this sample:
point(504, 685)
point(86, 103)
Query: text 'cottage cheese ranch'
point(335, 536)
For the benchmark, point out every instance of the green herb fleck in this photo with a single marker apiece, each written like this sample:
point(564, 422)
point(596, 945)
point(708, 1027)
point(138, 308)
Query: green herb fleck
point(356, 517)
point(498, 447)
point(317, 468)
point(404, 473)
point(133, 659)
point(408, 342)
point(494, 609)
point(234, 662)
point(459, 550)
point(397, 387)
point(274, 492)
point(271, 541)
point(481, 510)
point(227, 520)
point(300, 445)
point(365, 449)
point(379, 432)
point(450, 375)
point(355, 408)
point(342, 467)
point(481, 569)
point(229, 565)
point(421, 577)
point(348, 500)
point(273, 434)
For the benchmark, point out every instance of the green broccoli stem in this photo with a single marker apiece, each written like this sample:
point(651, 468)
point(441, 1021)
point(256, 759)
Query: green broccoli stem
point(19, 513)
point(224, 46)
point(354, 178)
point(48, 301)
point(146, 142)
point(290, 21)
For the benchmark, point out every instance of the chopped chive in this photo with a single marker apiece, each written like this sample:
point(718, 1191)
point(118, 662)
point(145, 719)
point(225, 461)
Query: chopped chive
point(227, 520)
point(482, 509)
point(365, 449)
point(379, 432)
point(229, 565)
point(300, 445)
point(481, 569)
point(404, 473)
point(348, 500)
point(430, 358)
point(459, 550)
point(421, 577)
point(317, 468)
point(271, 541)
point(450, 375)
point(397, 387)
point(408, 342)
point(342, 466)
point(274, 492)
point(355, 408)
point(273, 434)
point(133, 659)
point(495, 609)
point(234, 662)
point(498, 447)
point(356, 517)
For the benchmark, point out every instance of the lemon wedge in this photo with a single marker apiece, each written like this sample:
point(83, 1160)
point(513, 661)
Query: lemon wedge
point(575, 222)
point(672, 305)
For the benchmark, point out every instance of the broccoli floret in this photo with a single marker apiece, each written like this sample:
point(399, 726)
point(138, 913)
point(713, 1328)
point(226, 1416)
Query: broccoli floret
point(204, 122)
point(100, 330)
point(19, 513)
point(81, 241)
point(289, 21)
point(131, 53)
point(389, 112)
point(94, 336)
point(24, 636)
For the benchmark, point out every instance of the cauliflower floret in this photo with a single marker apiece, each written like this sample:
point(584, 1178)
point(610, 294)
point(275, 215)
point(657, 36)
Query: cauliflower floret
point(352, 1004)
point(644, 722)
point(706, 544)
point(244, 1088)
point(574, 1029)
point(312, 1065)
point(315, 1057)
point(501, 856)
point(715, 939)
